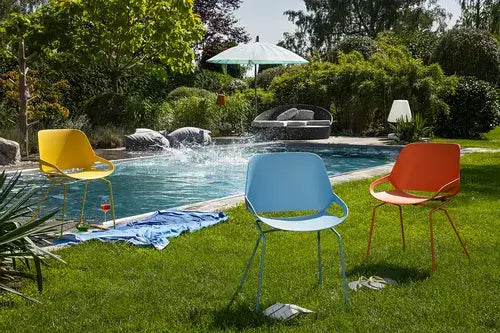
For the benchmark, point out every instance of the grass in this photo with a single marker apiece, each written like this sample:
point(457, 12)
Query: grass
point(185, 288)
point(490, 140)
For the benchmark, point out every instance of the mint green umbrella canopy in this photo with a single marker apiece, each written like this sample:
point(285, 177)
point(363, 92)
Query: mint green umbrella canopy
point(257, 54)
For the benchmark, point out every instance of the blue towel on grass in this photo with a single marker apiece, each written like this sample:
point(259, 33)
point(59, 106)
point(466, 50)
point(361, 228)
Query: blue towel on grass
point(155, 229)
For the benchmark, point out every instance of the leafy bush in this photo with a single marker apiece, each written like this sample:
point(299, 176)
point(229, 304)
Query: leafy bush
point(187, 92)
point(306, 84)
point(232, 118)
point(356, 89)
point(80, 122)
point(265, 100)
point(412, 131)
point(474, 109)
point(20, 235)
point(211, 81)
point(421, 44)
point(265, 77)
point(363, 44)
point(106, 136)
point(106, 108)
point(235, 85)
point(469, 52)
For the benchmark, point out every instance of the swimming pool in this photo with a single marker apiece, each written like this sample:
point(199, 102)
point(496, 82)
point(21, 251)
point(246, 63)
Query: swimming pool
point(179, 177)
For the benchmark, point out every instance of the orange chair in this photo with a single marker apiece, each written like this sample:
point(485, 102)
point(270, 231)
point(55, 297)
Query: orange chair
point(421, 167)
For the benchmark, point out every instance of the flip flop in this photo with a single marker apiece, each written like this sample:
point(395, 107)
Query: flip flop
point(373, 282)
point(358, 284)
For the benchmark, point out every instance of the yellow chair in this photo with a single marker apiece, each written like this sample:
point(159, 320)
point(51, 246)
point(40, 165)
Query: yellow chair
point(66, 155)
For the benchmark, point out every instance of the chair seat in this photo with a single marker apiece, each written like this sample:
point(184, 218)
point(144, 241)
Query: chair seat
point(399, 197)
point(88, 174)
point(314, 222)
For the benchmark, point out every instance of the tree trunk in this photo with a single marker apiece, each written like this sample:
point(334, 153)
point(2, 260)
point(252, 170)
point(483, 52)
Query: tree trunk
point(478, 13)
point(23, 95)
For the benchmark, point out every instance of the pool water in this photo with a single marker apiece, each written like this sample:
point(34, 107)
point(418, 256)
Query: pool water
point(179, 177)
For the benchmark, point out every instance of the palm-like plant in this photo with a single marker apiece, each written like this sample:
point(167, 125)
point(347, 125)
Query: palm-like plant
point(21, 237)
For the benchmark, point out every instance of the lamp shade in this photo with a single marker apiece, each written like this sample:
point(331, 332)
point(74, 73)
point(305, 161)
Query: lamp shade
point(400, 110)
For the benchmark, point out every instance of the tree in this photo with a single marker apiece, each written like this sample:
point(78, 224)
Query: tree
point(469, 52)
point(13, 32)
point(121, 36)
point(325, 22)
point(481, 14)
point(219, 21)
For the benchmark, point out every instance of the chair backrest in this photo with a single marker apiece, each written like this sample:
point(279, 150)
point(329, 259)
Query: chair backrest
point(426, 167)
point(279, 182)
point(65, 148)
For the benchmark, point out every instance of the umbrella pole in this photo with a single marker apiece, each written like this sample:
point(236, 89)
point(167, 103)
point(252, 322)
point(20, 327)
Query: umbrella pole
point(255, 87)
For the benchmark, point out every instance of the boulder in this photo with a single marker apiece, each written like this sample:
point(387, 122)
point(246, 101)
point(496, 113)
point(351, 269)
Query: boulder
point(10, 153)
point(144, 139)
point(188, 136)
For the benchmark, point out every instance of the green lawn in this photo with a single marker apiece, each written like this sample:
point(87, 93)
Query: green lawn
point(117, 287)
point(491, 140)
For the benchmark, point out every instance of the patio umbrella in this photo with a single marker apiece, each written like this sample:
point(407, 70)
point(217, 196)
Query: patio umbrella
point(257, 54)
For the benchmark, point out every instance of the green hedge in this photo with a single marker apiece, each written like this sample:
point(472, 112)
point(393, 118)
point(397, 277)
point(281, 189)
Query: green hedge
point(357, 89)
point(474, 110)
point(363, 44)
point(182, 91)
point(469, 52)
point(212, 81)
point(231, 119)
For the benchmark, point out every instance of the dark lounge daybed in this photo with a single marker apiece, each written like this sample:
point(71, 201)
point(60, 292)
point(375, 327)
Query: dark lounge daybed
point(293, 122)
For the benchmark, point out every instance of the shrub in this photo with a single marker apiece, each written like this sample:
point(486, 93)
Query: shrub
point(474, 109)
point(187, 92)
point(265, 100)
point(107, 136)
point(211, 81)
point(80, 122)
point(412, 131)
point(356, 89)
point(363, 44)
point(106, 108)
point(232, 118)
point(21, 235)
point(235, 85)
point(265, 77)
point(421, 44)
point(305, 84)
point(469, 52)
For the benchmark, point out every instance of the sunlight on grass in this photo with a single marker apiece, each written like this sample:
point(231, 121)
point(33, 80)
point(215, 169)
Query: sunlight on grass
point(118, 287)
point(491, 140)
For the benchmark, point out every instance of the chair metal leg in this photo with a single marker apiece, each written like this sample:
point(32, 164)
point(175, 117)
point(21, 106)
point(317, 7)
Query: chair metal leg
point(65, 189)
point(320, 268)
point(456, 232)
point(112, 201)
point(402, 226)
point(342, 266)
point(433, 254)
point(83, 200)
point(44, 197)
point(261, 272)
point(245, 273)
point(371, 231)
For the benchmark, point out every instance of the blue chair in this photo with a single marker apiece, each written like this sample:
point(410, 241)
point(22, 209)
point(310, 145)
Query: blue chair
point(287, 182)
